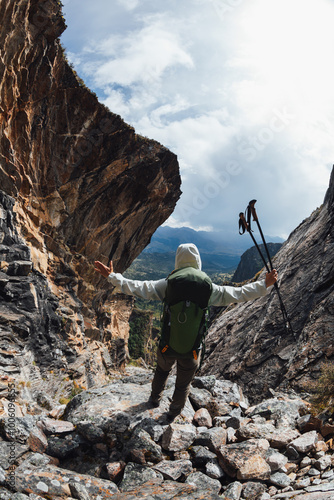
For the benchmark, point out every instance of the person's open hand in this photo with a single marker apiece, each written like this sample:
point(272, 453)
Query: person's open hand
point(102, 269)
point(271, 278)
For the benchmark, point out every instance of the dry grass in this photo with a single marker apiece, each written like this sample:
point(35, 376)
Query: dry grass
point(323, 398)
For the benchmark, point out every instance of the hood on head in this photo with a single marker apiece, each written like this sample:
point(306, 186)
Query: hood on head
point(187, 255)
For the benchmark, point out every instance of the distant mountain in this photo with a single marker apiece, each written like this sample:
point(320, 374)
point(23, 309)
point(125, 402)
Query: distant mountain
point(167, 239)
point(220, 252)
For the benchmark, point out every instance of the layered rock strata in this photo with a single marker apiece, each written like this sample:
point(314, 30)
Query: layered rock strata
point(250, 344)
point(109, 443)
point(78, 184)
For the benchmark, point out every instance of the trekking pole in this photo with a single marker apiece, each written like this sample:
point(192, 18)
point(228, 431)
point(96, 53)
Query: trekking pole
point(245, 225)
point(251, 210)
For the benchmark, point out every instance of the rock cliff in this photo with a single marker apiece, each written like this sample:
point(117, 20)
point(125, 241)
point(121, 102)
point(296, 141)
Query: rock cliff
point(249, 343)
point(77, 184)
point(251, 262)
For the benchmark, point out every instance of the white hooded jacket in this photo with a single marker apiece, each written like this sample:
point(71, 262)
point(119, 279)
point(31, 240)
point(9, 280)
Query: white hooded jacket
point(188, 255)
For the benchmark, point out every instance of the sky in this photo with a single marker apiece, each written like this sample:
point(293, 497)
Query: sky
point(240, 90)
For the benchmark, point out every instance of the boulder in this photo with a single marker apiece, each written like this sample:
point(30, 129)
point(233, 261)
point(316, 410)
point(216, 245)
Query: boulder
point(178, 437)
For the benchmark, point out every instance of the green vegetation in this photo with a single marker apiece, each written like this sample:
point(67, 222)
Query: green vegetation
point(151, 266)
point(141, 344)
point(323, 399)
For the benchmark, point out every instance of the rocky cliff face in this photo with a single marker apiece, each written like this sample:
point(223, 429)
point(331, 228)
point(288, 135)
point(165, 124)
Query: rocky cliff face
point(248, 343)
point(251, 262)
point(77, 185)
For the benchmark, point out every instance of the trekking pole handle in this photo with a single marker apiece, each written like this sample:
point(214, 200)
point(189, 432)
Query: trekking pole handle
point(252, 208)
point(242, 222)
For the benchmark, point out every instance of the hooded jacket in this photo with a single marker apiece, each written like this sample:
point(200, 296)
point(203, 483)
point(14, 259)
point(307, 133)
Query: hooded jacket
point(187, 255)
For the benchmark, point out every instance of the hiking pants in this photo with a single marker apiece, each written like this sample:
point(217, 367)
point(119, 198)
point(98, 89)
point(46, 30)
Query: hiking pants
point(185, 372)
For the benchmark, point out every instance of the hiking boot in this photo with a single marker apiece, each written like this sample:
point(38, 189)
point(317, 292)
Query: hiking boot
point(171, 416)
point(153, 403)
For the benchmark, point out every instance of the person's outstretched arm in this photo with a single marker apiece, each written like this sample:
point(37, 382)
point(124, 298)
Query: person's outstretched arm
point(150, 290)
point(225, 295)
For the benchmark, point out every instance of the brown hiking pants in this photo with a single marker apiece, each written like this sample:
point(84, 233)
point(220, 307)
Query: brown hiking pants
point(185, 372)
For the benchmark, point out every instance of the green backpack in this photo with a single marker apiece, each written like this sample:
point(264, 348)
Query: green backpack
point(185, 306)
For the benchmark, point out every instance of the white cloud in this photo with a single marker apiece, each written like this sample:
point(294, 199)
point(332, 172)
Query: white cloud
point(129, 4)
point(240, 91)
point(144, 55)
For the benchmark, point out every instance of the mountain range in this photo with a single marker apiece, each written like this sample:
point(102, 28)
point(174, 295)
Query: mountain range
point(220, 251)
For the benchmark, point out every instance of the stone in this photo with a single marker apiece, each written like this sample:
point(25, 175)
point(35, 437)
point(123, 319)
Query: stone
point(57, 412)
point(115, 469)
point(136, 475)
point(203, 482)
point(92, 432)
point(254, 467)
point(200, 398)
point(305, 462)
point(301, 483)
point(233, 491)
point(324, 487)
point(328, 474)
point(321, 446)
point(280, 479)
point(61, 447)
point(37, 441)
point(253, 430)
point(79, 491)
point(203, 418)
point(201, 455)
point(233, 422)
point(54, 482)
point(232, 457)
point(181, 455)
point(141, 441)
point(151, 426)
point(116, 402)
point(228, 392)
point(283, 436)
point(19, 268)
point(290, 467)
point(323, 463)
point(327, 430)
point(21, 430)
point(10, 452)
point(169, 490)
point(50, 426)
point(178, 437)
point(313, 472)
point(275, 459)
point(206, 382)
point(308, 423)
point(174, 470)
point(292, 453)
point(252, 490)
point(213, 470)
point(213, 438)
point(231, 435)
point(305, 442)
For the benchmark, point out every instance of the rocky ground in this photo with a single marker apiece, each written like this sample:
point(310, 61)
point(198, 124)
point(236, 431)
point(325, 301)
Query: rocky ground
point(107, 442)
